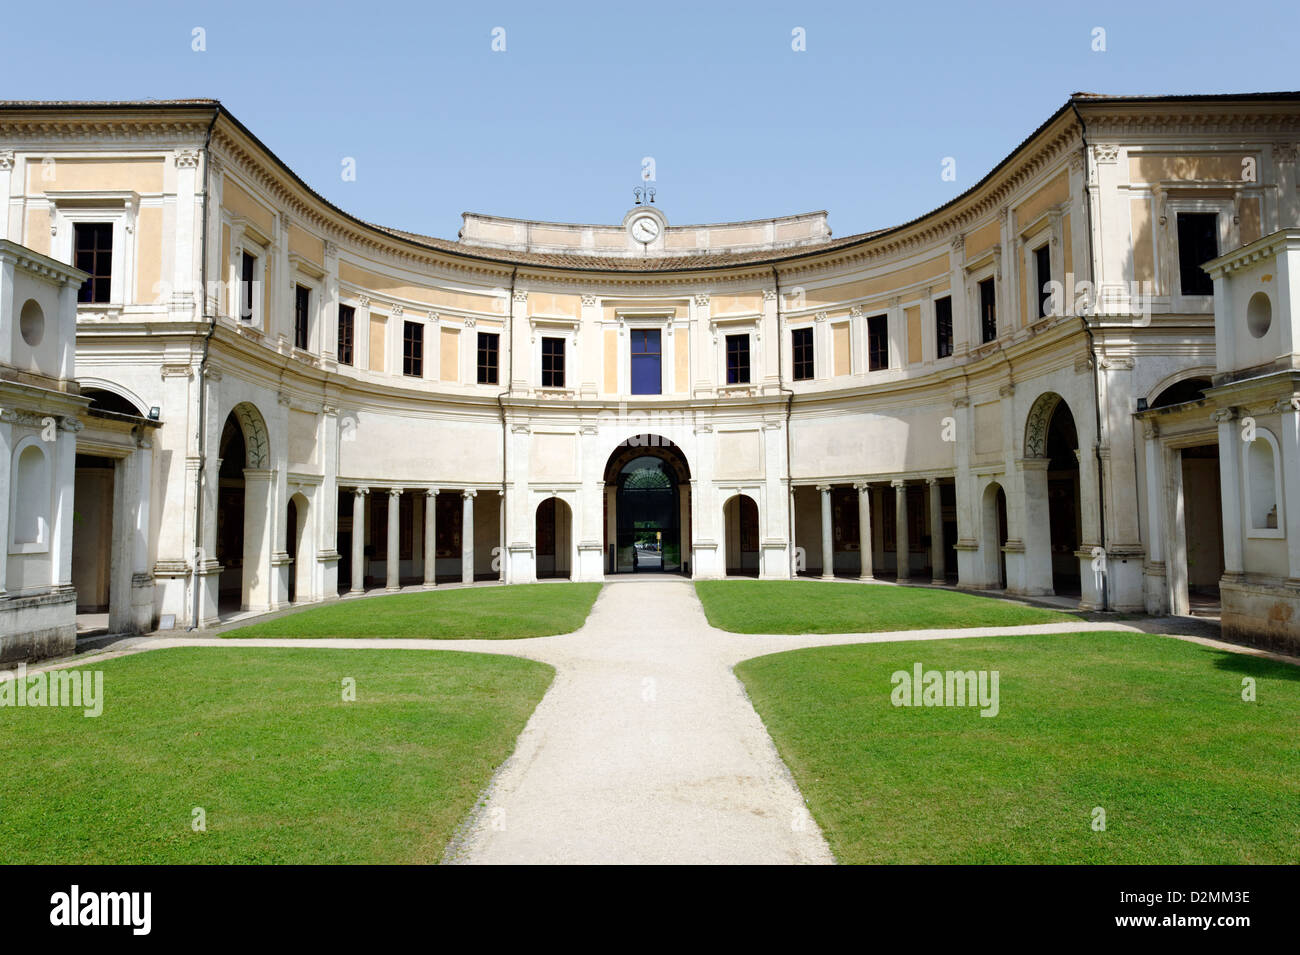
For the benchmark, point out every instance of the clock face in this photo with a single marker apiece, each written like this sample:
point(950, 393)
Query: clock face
point(645, 229)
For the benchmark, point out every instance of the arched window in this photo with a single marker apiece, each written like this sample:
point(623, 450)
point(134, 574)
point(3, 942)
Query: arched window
point(29, 519)
point(1263, 503)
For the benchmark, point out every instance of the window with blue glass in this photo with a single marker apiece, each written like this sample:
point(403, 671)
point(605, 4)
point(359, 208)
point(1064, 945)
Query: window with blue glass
point(647, 362)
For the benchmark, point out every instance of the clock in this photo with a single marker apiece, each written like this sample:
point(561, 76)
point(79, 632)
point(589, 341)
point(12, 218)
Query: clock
point(645, 229)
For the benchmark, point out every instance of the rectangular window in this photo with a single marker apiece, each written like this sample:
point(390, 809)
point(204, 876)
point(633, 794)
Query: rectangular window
point(647, 362)
point(877, 342)
point(347, 333)
point(247, 272)
point(1043, 275)
point(737, 359)
point(413, 349)
point(988, 311)
point(943, 327)
point(1198, 242)
point(552, 362)
point(301, 316)
point(93, 253)
point(488, 342)
point(801, 352)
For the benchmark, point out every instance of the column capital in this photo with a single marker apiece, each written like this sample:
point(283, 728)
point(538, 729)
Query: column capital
point(931, 481)
point(862, 486)
point(431, 492)
point(394, 492)
point(469, 493)
point(361, 491)
point(824, 488)
point(898, 483)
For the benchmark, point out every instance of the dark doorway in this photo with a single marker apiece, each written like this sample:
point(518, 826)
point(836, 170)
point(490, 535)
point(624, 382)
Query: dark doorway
point(1063, 500)
point(230, 515)
point(740, 520)
point(648, 517)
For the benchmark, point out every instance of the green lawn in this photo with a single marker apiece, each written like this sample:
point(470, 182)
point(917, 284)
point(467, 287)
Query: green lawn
point(814, 606)
point(484, 613)
point(1151, 729)
point(262, 741)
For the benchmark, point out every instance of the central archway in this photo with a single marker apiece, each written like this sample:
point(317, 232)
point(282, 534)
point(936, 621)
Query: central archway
point(647, 503)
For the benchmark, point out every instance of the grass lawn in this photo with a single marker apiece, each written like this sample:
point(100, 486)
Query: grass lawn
point(1151, 729)
point(262, 741)
point(482, 613)
point(813, 606)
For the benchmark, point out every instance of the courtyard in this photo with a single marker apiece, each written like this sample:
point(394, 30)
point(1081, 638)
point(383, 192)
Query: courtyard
point(638, 722)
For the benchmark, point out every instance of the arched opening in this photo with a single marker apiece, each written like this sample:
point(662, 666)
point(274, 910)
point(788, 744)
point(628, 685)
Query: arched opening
point(1063, 500)
point(1053, 515)
point(995, 536)
point(1180, 392)
point(647, 507)
point(102, 399)
point(298, 545)
point(29, 520)
point(243, 546)
point(554, 527)
point(740, 523)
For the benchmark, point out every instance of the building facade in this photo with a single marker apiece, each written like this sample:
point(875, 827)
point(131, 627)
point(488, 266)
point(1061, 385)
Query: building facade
point(1027, 389)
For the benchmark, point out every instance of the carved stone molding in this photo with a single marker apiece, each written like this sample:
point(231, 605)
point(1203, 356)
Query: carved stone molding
point(6, 160)
point(588, 299)
point(521, 295)
point(187, 159)
point(1105, 153)
point(702, 299)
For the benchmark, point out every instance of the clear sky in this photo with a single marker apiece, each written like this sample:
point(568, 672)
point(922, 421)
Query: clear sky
point(740, 124)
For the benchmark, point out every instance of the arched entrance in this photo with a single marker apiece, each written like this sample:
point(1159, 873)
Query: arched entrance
point(300, 549)
point(647, 505)
point(554, 539)
point(243, 526)
point(1051, 436)
point(740, 522)
point(995, 537)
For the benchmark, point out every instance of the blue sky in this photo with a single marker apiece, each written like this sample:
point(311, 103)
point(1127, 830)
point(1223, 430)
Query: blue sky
point(740, 124)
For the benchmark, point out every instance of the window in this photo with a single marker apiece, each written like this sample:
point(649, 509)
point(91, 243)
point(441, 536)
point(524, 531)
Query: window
point(301, 313)
point(247, 272)
point(988, 311)
point(647, 362)
point(943, 327)
point(413, 349)
point(347, 333)
point(877, 342)
point(801, 340)
point(1198, 242)
point(737, 359)
point(1043, 274)
point(488, 343)
point(552, 362)
point(93, 253)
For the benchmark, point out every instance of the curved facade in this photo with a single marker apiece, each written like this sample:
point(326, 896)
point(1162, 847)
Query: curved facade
point(970, 397)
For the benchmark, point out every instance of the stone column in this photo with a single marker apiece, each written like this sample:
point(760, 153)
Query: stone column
point(393, 557)
point(938, 571)
point(794, 545)
point(864, 531)
point(467, 537)
point(828, 534)
point(359, 540)
point(501, 539)
point(1157, 595)
point(431, 537)
point(258, 498)
point(1036, 529)
point(902, 545)
point(1230, 490)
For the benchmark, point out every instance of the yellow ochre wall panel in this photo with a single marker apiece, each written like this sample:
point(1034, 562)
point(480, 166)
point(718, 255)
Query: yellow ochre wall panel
point(611, 361)
point(682, 364)
point(378, 325)
point(96, 175)
point(841, 348)
point(449, 354)
point(1054, 193)
point(149, 239)
point(913, 334)
point(930, 268)
point(1156, 168)
point(1144, 269)
point(302, 242)
point(234, 198)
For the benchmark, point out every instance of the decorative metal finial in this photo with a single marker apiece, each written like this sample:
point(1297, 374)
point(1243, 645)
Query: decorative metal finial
point(646, 193)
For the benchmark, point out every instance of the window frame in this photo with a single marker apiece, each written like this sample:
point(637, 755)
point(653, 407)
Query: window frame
point(632, 356)
point(740, 338)
point(810, 360)
point(96, 279)
point(412, 349)
point(482, 367)
point(560, 347)
point(1194, 269)
point(350, 340)
point(991, 283)
point(939, 339)
point(880, 322)
point(302, 314)
point(1042, 254)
